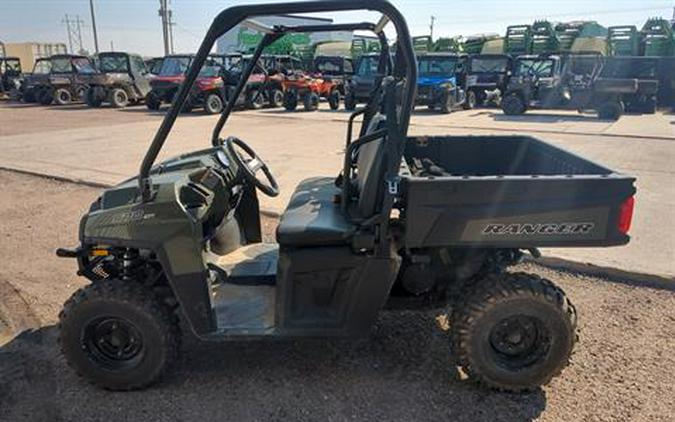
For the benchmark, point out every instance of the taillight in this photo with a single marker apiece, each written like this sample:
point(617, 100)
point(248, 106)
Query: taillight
point(626, 214)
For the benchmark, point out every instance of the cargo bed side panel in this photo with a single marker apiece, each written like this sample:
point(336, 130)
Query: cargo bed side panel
point(515, 211)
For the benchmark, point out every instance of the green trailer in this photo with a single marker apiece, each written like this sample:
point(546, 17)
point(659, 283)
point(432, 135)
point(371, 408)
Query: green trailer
point(658, 38)
point(544, 38)
point(518, 40)
point(624, 41)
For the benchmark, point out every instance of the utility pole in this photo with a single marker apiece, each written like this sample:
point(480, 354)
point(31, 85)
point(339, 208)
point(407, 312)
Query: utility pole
point(431, 27)
point(74, 28)
point(93, 24)
point(171, 24)
point(164, 15)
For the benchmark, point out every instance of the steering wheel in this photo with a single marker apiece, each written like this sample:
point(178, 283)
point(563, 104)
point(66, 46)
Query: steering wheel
point(250, 163)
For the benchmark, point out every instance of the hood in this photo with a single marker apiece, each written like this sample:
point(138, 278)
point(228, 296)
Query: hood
point(435, 80)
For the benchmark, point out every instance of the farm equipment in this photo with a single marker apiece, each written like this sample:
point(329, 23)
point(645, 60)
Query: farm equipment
point(411, 223)
point(518, 40)
point(67, 80)
point(658, 38)
point(474, 44)
point(624, 41)
point(10, 76)
point(122, 79)
point(645, 71)
point(544, 38)
point(441, 81)
point(487, 78)
point(571, 82)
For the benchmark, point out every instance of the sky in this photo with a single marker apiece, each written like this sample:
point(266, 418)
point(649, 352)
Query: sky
point(134, 25)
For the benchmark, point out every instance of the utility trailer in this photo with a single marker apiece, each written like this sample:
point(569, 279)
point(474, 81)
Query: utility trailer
point(413, 222)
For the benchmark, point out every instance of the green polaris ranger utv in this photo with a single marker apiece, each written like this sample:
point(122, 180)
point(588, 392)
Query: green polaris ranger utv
point(411, 222)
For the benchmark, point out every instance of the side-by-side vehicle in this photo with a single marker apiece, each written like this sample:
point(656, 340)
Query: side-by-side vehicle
point(121, 79)
point(410, 222)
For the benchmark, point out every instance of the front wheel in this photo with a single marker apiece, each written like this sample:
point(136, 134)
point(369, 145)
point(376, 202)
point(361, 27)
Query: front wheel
point(290, 100)
point(611, 110)
point(62, 97)
point(513, 105)
point(514, 332)
point(350, 102)
point(118, 335)
point(152, 101)
point(470, 101)
point(255, 100)
point(334, 99)
point(213, 104)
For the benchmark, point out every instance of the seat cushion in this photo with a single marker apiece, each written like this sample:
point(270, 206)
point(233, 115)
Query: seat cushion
point(312, 218)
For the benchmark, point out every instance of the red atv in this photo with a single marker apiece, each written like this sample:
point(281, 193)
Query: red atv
point(308, 90)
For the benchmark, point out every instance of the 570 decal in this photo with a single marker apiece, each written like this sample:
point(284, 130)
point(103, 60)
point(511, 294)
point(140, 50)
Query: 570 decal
point(551, 229)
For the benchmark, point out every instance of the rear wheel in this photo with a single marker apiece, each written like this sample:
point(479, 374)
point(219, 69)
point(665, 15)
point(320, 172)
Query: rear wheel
point(152, 101)
point(213, 104)
point(334, 99)
point(470, 102)
point(276, 98)
point(611, 110)
point(311, 101)
point(118, 335)
point(29, 96)
point(119, 98)
point(255, 100)
point(514, 332)
point(93, 97)
point(513, 105)
point(45, 97)
point(62, 97)
point(291, 100)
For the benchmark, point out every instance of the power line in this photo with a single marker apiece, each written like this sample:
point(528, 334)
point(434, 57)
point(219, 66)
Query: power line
point(74, 29)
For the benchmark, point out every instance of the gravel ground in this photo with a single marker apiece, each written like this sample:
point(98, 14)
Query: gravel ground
point(622, 369)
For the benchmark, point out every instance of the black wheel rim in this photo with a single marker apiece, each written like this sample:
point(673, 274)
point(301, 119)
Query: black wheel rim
point(113, 343)
point(519, 341)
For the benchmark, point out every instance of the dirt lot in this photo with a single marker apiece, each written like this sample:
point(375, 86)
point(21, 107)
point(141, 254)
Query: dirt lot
point(622, 369)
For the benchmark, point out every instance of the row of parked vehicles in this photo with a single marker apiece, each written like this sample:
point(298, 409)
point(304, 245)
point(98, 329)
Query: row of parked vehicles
point(609, 86)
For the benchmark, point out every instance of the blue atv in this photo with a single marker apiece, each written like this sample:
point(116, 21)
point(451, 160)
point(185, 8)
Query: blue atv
point(441, 81)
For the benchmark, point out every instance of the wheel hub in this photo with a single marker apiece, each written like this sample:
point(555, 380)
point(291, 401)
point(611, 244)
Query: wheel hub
point(113, 343)
point(519, 341)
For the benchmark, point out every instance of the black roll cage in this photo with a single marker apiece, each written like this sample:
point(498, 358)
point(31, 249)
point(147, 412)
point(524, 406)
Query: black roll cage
point(404, 68)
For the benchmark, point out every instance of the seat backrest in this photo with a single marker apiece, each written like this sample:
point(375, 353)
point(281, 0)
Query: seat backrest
point(370, 166)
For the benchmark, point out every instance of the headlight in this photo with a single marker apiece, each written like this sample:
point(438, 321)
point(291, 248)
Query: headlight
point(446, 85)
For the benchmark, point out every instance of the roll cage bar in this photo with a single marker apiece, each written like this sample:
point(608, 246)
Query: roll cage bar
point(404, 68)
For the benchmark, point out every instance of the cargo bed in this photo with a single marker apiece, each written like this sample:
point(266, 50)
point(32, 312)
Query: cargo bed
point(509, 191)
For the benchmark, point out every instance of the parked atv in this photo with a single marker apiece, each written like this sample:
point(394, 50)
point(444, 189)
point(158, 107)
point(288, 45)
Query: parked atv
point(209, 91)
point(441, 81)
point(34, 82)
point(569, 82)
point(67, 81)
point(336, 69)
point(180, 245)
point(122, 79)
point(487, 78)
point(264, 87)
point(308, 89)
point(646, 71)
point(165, 85)
point(10, 76)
